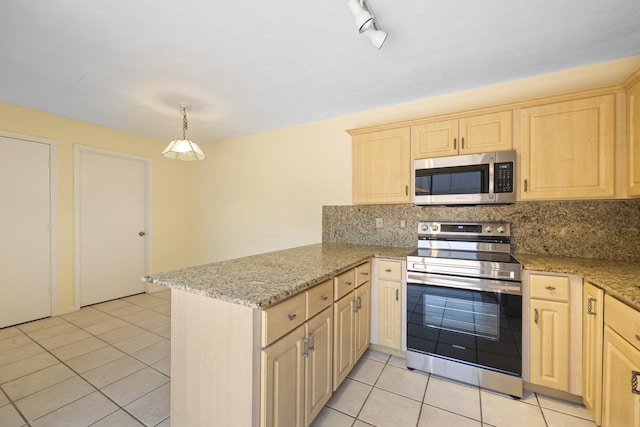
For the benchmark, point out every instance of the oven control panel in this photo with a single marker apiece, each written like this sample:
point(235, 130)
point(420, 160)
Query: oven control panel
point(464, 228)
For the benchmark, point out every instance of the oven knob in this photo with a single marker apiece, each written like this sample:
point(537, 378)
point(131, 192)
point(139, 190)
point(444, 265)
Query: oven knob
point(434, 227)
point(501, 229)
point(425, 227)
point(489, 229)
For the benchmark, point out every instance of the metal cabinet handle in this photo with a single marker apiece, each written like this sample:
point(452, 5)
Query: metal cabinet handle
point(525, 185)
point(388, 270)
point(142, 233)
point(550, 288)
point(305, 352)
point(638, 337)
point(324, 297)
point(364, 273)
point(462, 143)
point(634, 382)
point(291, 316)
point(406, 190)
point(349, 283)
point(397, 294)
point(455, 143)
point(535, 316)
point(590, 302)
point(312, 347)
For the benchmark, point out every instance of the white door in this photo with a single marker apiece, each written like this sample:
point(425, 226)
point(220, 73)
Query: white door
point(25, 230)
point(111, 224)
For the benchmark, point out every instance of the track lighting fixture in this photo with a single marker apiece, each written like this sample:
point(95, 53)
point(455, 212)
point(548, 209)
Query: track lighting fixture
point(365, 22)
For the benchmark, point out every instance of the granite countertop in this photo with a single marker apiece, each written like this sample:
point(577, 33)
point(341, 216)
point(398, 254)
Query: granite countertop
point(620, 279)
point(259, 281)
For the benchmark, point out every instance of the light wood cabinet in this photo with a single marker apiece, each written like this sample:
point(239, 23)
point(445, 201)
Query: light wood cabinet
point(633, 138)
point(567, 149)
point(283, 381)
point(466, 135)
point(318, 364)
point(382, 166)
point(351, 324)
point(389, 304)
point(592, 330)
point(554, 319)
point(621, 365)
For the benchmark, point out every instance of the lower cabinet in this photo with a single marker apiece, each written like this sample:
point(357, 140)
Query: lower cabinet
point(389, 313)
point(555, 331)
point(621, 365)
point(296, 374)
point(592, 329)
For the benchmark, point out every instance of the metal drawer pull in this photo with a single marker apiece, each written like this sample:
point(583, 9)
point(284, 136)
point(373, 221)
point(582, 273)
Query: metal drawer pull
point(364, 273)
point(388, 270)
point(291, 316)
point(550, 288)
point(535, 316)
point(638, 337)
point(634, 382)
point(305, 352)
point(590, 302)
point(348, 283)
point(324, 297)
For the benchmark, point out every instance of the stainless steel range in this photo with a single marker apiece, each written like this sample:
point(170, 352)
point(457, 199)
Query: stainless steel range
point(464, 305)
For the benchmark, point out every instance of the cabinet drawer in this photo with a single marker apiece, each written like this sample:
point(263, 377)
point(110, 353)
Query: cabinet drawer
point(622, 319)
point(554, 288)
point(282, 318)
point(344, 283)
point(363, 273)
point(318, 298)
point(390, 270)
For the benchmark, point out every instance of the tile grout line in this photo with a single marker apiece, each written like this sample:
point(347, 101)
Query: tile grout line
point(118, 406)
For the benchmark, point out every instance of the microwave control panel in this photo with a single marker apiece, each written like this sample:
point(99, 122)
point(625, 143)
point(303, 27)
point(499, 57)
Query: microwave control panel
point(503, 177)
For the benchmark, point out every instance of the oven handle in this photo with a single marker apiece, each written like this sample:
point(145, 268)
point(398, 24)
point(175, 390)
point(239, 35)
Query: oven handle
point(511, 288)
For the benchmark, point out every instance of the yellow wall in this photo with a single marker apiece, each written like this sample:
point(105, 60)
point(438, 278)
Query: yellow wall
point(171, 232)
point(266, 191)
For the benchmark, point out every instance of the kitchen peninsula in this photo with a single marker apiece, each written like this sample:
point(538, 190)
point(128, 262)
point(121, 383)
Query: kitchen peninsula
point(218, 319)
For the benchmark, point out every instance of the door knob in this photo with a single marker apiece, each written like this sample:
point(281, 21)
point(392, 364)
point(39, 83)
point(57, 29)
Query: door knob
point(142, 233)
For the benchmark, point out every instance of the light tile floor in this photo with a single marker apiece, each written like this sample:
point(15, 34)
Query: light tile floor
point(108, 366)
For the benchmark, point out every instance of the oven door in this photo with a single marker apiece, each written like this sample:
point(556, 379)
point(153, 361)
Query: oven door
point(481, 328)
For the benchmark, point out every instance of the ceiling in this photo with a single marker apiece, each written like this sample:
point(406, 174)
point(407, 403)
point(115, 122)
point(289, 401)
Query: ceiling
point(256, 65)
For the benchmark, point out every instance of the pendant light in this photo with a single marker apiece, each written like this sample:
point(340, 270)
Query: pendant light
point(183, 149)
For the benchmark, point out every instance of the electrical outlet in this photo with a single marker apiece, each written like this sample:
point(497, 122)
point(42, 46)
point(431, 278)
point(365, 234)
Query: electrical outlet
point(379, 223)
point(403, 223)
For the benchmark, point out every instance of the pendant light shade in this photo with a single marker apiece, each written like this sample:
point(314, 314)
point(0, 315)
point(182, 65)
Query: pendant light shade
point(183, 149)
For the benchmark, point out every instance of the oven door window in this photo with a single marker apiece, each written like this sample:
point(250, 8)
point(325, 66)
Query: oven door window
point(480, 328)
point(453, 180)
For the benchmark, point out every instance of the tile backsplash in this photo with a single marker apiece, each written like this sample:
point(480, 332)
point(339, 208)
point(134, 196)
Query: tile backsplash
point(607, 229)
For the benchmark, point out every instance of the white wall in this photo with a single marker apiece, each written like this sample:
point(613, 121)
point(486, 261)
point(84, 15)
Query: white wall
point(265, 191)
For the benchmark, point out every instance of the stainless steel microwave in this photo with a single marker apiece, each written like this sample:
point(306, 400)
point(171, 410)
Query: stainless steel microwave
point(472, 179)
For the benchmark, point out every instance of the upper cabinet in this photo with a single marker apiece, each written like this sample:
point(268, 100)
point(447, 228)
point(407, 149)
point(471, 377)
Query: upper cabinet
point(466, 135)
point(567, 149)
point(382, 166)
point(633, 135)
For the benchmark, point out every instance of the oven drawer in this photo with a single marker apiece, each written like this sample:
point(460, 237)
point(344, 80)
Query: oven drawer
point(390, 270)
point(363, 273)
point(282, 318)
point(554, 288)
point(318, 298)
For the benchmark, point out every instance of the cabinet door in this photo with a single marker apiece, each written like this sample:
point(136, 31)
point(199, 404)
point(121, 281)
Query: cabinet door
point(362, 322)
point(620, 394)
point(382, 167)
point(389, 314)
point(633, 140)
point(282, 390)
point(549, 344)
point(592, 330)
point(437, 139)
point(486, 133)
point(318, 366)
point(567, 150)
point(343, 336)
